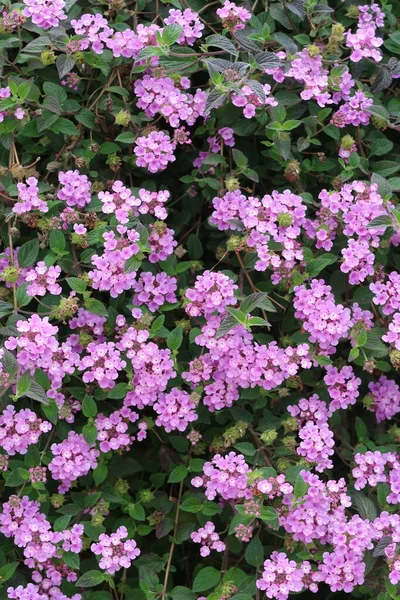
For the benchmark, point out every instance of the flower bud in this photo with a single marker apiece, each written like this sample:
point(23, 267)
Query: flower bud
point(10, 274)
point(312, 51)
point(268, 437)
point(146, 496)
point(290, 424)
point(123, 118)
point(232, 183)
point(57, 500)
point(347, 142)
point(47, 58)
point(121, 486)
point(292, 171)
point(285, 219)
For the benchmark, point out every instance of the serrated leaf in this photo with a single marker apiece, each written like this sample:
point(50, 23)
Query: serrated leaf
point(178, 474)
point(257, 300)
point(57, 241)
point(172, 33)
point(90, 579)
point(175, 338)
point(383, 543)
point(64, 64)
point(76, 284)
point(255, 552)
point(220, 41)
point(205, 579)
point(28, 253)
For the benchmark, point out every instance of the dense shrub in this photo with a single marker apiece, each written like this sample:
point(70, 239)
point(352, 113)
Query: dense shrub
point(200, 301)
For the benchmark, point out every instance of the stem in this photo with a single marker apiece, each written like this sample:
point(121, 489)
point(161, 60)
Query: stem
point(171, 552)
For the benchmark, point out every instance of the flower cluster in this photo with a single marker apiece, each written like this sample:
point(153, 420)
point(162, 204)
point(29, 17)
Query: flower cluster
point(72, 458)
point(115, 553)
point(45, 13)
point(154, 151)
point(163, 96)
point(28, 198)
point(20, 429)
point(233, 17)
point(154, 290)
point(208, 538)
point(189, 20)
point(175, 410)
point(42, 279)
point(74, 188)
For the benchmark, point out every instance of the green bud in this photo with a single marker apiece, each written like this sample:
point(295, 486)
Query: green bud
point(347, 142)
point(395, 359)
point(283, 464)
point(121, 486)
point(146, 496)
point(290, 424)
point(57, 500)
point(232, 183)
point(312, 51)
point(268, 437)
point(123, 118)
point(285, 219)
point(10, 274)
point(353, 11)
point(234, 243)
point(289, 442)
point(378, 122)
point(47, 58)
point(368, 401)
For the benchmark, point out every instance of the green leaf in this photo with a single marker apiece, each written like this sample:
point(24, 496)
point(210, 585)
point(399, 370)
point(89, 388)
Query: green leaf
point(255, 552)
point(205, 579)
point(100, 473)
point(220, 41)
point(62, 523)
point(381, 146)
point(238, 315)
point(365, 506)
point(91, 579)
point(132, 264)
point(89, 407)
point(314, 267)
point(76, 284)
point(52, 89)
point(96, 307)
point(226, 326)
point(137, 512)
point(64, 126)
point(72, 560)
point(7, 571)
point(23, 384)
point(353, 354)
point(257, 300)
point(361, 429)
point(36, 392)
point(381, 221)
point(28, 253)
point(64, 64)
point(300, 487)
point(126, 138)
point(171, 34)
point(191, 505)
point(195, 248)
point(57, 241)
point(22, 297)
point(182, 593)
point(175, 338)
point(178, 474)
point(89, 432)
